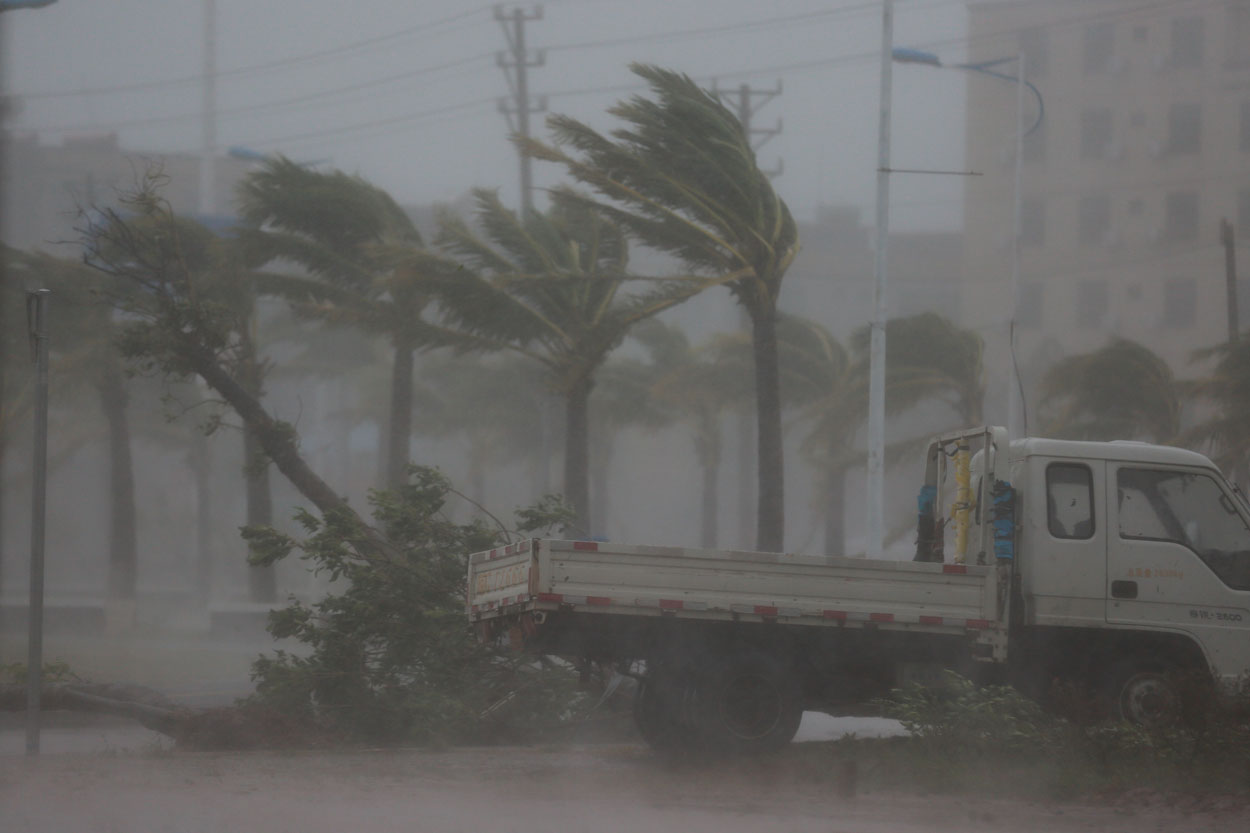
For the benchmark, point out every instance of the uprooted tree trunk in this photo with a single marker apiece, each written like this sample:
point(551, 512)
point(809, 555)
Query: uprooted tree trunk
point(245, 725)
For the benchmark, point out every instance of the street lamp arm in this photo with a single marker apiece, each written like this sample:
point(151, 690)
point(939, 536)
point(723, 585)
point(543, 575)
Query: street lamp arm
point(984, 69)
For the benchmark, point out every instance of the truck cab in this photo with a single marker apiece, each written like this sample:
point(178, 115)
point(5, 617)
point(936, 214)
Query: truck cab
point(1134, 562)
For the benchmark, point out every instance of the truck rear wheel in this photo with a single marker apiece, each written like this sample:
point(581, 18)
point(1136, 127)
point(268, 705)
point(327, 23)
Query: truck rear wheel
point(750, 703)
point(661, 713)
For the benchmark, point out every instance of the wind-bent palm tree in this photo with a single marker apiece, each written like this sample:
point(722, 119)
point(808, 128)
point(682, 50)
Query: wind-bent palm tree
point(929, 357)
point(1228, 387)
point(552, 287)
point(1122, 391)
point(682, 178)
point(347, 235)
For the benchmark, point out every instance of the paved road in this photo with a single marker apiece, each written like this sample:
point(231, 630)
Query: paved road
point(595, 789)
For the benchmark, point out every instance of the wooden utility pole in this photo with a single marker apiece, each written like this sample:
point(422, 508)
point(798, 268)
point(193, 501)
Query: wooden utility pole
point(515, 64)
point(1230, 279)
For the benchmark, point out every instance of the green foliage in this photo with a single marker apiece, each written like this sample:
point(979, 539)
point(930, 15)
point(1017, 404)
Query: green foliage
point(388, 654)
point(960, 717)
point(54, 673)
point(959, 731)
point(1122, 391)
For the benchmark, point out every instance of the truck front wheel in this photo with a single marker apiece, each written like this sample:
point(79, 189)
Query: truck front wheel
point(750, 703)
point(1142, 692)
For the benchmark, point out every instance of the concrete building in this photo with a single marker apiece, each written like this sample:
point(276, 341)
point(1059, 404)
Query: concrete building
point(45, 186)
point(1144, 149)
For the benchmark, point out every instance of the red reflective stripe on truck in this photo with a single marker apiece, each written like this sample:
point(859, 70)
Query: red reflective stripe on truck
point(598, 600)
point(550, 597)
point(881, 617)
point(588, 546)
point(765, 610)
point(671, 604)
point(979, 624)
point(954, 568)
point(930, 620)
point(840, 615)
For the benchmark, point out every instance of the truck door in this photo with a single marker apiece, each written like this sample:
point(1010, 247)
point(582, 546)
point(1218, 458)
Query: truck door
point(1178, 558)
point(1065, 560)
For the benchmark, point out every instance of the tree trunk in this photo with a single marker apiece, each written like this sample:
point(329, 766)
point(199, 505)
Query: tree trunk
point(262, 582)
point(279, 442)
point(577, 454)
point(123, 549)
point(601, 468)
point(201, 469)
point(771, 516)
point(399, 429)
point(835, 513)
point(708, 453)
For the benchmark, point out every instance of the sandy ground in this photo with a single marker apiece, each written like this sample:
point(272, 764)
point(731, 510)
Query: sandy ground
point(598, 789)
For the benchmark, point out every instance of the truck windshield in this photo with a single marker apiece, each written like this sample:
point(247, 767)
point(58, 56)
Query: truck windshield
point(1189, 509)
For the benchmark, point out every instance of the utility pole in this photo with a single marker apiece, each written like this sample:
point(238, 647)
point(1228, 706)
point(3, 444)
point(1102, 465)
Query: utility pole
point(208, 146)
point(37, 318)
point(515, 64)
point(744, 101)
point(1230, 279)
point(875, 529)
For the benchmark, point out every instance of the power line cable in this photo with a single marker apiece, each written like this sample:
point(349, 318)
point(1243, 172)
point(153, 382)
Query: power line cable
point(284, 63)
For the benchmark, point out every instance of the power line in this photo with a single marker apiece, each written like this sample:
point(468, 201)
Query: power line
point(299, 60)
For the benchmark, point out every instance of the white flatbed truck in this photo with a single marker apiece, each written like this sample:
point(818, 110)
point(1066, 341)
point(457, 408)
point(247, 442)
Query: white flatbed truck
point(1108, 564)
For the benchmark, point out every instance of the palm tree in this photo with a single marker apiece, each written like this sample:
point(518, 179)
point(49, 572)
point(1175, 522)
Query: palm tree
point(698, 384)
point(1121, 391)
point(494, 405)
point(929, 357)
point(550, 287)
point(90, 357)
point(346, 234)
point(1228, 387)
point(682, 178)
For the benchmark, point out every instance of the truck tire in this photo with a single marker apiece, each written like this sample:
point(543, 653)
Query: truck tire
point(1142, 691)
point(661, 713)
point(750, 703)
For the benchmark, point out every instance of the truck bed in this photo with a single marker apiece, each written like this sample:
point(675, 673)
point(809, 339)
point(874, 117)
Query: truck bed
point(599, 578)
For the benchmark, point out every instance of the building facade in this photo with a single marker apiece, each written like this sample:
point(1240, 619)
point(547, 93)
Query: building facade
point(46, 187)
point(1143, 151)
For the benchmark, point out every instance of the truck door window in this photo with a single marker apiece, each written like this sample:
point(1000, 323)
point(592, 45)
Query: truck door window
point(1069, 501)
point(1188, 509)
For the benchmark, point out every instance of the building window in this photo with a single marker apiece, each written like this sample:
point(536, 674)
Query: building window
point(1091, 303)
point(1029, 309)
point(1035, 46)
point(1184, 128)
point(1237, 33)
point(1180, 216)
point(1188, 34)
point(1095, 133)
point(1099, 48)
point(1032, 221)
point(1180, 302)
point(1094, 217)
point(1140, 33)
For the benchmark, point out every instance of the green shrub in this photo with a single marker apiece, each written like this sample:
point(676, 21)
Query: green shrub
point(389, 655)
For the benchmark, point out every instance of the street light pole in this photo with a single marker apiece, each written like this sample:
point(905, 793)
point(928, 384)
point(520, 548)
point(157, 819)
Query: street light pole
point(875, 539)
point(1015, 404)
point(1015, 399)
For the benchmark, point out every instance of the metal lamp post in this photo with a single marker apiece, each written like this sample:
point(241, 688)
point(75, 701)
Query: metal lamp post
point(1015, 409)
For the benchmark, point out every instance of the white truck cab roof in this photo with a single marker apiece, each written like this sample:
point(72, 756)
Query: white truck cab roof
point(1122, 451)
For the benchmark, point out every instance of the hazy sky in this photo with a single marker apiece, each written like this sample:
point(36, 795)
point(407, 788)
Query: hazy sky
point(406, 94)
